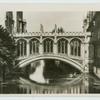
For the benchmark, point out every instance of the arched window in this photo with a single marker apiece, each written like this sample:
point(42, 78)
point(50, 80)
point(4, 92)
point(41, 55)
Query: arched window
point(48, 45)
point(21, 47)
point(62, 46)
point(34, 46)
point(75, 46)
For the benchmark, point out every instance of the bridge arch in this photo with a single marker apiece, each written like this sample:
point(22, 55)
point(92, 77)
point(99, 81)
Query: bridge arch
point(34, 38)
point(63, 38)
point(51, 56)
point(21, 39)
point(76, 38)
point(47, 38)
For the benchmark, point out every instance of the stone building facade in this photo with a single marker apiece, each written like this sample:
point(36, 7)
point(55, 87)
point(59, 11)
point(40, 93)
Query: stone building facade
point(93, 26)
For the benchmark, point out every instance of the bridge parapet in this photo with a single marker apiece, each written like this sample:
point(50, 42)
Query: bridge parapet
point(50, 34)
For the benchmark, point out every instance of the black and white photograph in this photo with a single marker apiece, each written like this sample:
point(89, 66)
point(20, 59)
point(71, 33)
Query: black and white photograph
point(49, 52)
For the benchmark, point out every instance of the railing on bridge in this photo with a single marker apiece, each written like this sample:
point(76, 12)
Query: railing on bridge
point(50, 34)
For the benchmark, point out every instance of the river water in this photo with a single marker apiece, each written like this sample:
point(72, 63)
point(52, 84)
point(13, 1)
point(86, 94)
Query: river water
point(50, 77)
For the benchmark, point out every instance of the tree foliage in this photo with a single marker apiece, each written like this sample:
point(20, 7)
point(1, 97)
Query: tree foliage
point(7, 48)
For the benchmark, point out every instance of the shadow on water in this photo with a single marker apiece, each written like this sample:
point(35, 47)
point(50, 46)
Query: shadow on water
point(49, 77)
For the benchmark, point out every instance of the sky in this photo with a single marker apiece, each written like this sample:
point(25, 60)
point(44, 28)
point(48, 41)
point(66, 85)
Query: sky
point(70, 17)
point(69, 20)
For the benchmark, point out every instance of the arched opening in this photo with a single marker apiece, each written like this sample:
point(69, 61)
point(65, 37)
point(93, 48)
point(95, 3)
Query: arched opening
point(51, 69)
point(75, 47)
point(72, 62)
point(48, 45)
point(21, 47)
point(62, 46)
point(34, 46)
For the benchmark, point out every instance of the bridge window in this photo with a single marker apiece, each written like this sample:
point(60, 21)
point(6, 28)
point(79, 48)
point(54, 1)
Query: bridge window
point(75, 46)
point(62, 46)
point(34, 46)
point(21, 47)
point(48, 46)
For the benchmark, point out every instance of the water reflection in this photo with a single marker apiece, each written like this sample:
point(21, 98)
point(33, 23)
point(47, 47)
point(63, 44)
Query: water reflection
point(50, 71)
point(38, 74)
point(50, 77)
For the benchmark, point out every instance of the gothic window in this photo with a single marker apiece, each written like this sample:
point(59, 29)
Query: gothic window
point(48, 45)
point(75, 46)
point(62, 46)
point(21, 47)
point(34, 46)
